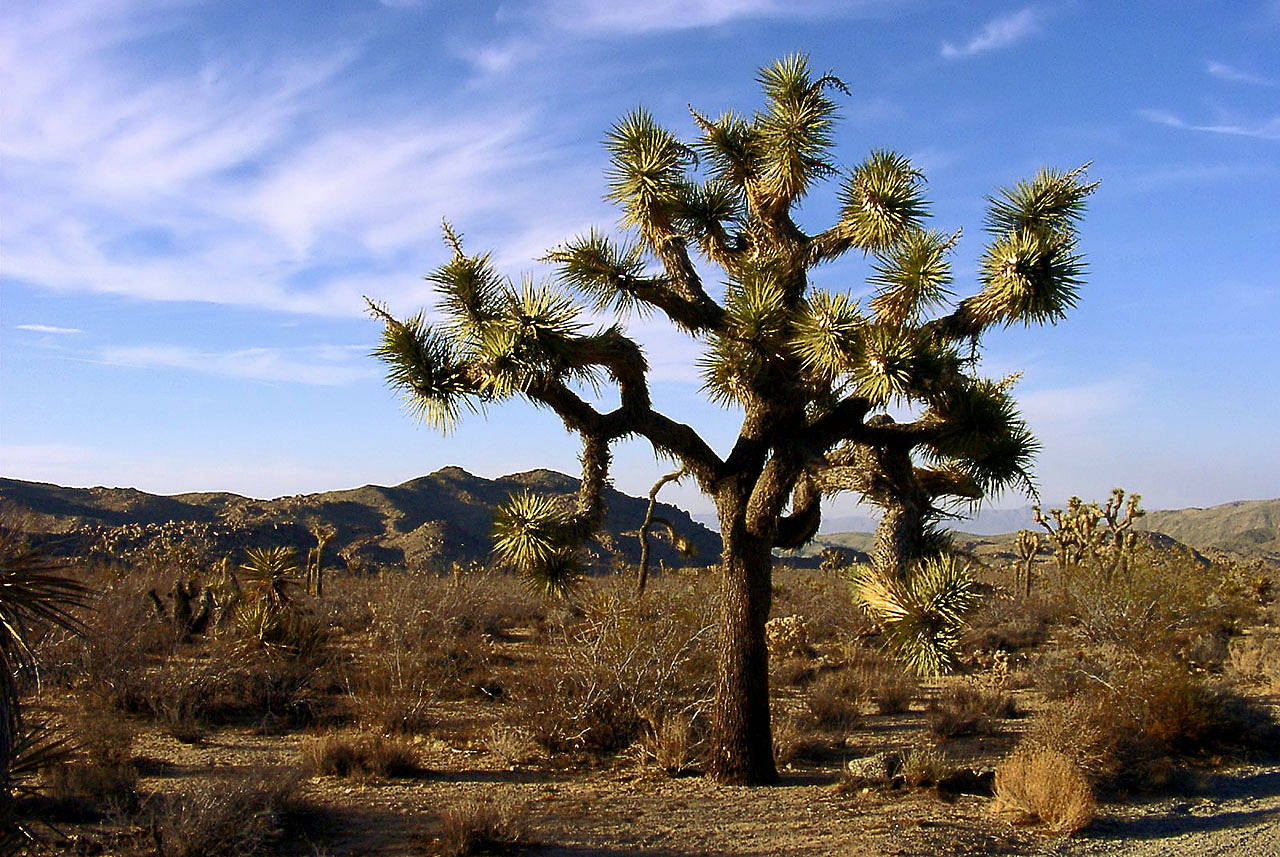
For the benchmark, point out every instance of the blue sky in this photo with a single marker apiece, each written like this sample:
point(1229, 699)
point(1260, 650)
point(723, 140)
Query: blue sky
point(197, 194)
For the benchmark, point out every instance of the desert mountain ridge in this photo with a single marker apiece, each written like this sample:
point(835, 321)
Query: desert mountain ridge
point(446, 516)
point(431, 521)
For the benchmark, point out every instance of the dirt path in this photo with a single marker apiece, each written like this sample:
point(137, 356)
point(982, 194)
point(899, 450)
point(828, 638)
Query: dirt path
point(1232, 813)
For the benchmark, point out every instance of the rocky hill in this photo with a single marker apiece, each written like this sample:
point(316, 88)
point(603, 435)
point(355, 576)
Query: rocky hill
point(427, 522)
point(1245, 529)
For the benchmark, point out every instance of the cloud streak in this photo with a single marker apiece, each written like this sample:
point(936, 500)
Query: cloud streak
point(325, 366)
point(1222, 71)
point(1268, 129)
point(624, 19)
point(48, 328)
point(1002, 32)
point(244, 187)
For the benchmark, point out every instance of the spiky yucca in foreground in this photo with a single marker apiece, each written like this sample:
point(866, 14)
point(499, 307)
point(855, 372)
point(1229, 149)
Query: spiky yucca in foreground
point(921, 612)
point(34, 591)
point(812, 371)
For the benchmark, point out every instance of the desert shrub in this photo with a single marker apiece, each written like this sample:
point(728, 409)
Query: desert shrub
point(874, 676)
point(823, 598)
point(427, 639)
point(121, 639)
point(834, 701)
point(1011, 623)
point(360, 755)
point(924, 765)
point(239, 818)
point(791, 671)
point(513, 745)
point(482, 827)
point(788, 636)
point(622, 664)
point(1135, 719)
point(99, 769)
point(226, 681)
point(671, 745)
point(968, 707)
point(793, 742)
point(1039, 784)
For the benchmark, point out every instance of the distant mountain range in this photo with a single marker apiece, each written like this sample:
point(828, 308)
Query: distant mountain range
point(447, 516)
point(426, 522)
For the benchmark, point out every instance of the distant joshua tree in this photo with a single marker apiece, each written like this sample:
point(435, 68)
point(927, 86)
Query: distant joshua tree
point(812, 372)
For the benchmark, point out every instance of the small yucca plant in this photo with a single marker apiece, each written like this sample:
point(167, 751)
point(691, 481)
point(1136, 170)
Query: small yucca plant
point(921, 614)
point(34, 591)
point(530, 534)
point(271, 573)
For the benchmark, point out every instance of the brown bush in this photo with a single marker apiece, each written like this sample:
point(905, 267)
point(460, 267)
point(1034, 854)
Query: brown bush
point(617, 667)
point(481, 827)
point(360, 755)
point(834, 701)
point(101, 770)
point(671, 745)
point(968, 708)
point(1039, 784)
point(873, 675)
point(240, 818)
point(1012, 623)
point(924, 766)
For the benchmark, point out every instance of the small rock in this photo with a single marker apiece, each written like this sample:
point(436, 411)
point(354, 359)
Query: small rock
point(879, 769)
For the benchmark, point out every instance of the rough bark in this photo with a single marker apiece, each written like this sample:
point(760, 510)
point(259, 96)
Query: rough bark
point(741, 737)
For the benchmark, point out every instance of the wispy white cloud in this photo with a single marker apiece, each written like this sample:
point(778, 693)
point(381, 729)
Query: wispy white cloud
point(1222, 71)
point(48, 328)
point(999, 33)
point(1075, 404)
point(607, 18)
point(1266, 130)
point(242, 187)
point(326, 365)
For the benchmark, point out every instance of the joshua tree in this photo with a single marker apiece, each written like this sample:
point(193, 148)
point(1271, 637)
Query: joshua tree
point(811, 371)
point(323, 534)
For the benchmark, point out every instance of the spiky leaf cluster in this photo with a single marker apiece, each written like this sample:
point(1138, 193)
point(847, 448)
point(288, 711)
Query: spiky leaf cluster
point(794, 131)
point(532, 535)
point(1032, 270)
point(922, 614)
point(882, 200)
point(423, 362)
point(647, 173)
point(827, 335)
point(912, 276)
point(984, 435)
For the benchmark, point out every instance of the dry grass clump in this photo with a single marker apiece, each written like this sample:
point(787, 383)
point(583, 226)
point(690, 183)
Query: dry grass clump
point(968, 708)
point(1037, 784)
point(875, 676)
point(481, 827)
point(834, 701)
point(793, 742)
point(823, 598)
point(512, 745)
point(924, 766)
point(671, 745)
point(1010, 624)
point(360, 755)
point(241, 818)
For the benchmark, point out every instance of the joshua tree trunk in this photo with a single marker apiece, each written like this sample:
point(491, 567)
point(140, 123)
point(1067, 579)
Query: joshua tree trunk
point(897, 541)
point(741, 737)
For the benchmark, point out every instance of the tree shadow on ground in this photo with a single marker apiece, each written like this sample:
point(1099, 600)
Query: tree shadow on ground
point(1180, 820)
